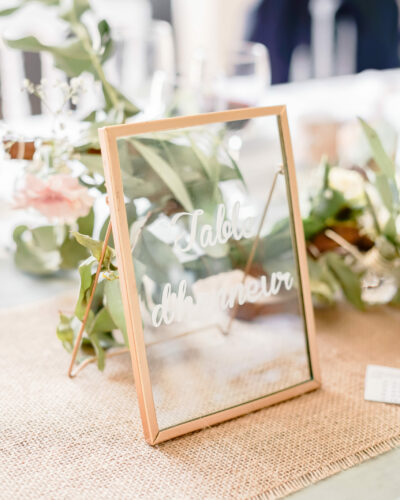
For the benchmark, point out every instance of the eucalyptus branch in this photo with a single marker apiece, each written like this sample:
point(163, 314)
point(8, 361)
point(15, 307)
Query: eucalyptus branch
point(81, 32)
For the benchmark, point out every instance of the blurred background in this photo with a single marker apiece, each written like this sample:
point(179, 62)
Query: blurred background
point(185, 56)
point(166, 43)
point(329, 61)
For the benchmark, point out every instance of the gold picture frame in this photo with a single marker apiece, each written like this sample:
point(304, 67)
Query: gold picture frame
point(108, 140)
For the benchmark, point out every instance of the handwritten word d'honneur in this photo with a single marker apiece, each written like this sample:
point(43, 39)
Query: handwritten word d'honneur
point(176, 306)
point(179, 306)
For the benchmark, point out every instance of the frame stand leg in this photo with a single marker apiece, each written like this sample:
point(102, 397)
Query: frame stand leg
point(78, 339)
point(254, 246)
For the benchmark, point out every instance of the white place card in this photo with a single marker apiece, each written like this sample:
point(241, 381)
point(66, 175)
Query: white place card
point(382, 384)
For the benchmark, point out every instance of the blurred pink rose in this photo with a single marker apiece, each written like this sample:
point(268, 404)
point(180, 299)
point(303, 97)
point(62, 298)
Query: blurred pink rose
point(60, 196)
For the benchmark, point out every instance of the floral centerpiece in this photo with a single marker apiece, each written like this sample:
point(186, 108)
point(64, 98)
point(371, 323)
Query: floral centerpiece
point(352, 237)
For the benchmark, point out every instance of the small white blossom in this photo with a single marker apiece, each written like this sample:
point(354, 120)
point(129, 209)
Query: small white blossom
point(77, 83)
point(349, 182)
point(28, 86)
point(64, 87)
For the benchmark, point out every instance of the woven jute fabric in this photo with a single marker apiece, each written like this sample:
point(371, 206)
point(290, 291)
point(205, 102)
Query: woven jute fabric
point(82, 438)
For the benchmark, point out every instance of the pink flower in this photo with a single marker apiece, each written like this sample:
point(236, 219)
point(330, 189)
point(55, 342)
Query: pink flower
point(60, 196)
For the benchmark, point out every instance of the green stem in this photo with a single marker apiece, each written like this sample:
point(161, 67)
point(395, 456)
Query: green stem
point(97, 66)
point(81, 32)
point(373, 214)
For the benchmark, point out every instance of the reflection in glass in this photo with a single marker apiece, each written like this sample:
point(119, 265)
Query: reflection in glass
point(215, 267)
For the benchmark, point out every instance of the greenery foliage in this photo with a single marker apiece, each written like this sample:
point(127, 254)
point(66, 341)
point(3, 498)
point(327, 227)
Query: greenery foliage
point(164, 171)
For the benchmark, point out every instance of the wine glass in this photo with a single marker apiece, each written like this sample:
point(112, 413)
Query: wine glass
point(242, 84)
point(245, 77)
point(142, 66)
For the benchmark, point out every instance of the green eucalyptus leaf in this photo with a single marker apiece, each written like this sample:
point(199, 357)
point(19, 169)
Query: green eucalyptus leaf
point(131, 217)
point(396, 299)
point(93, 163)
point(89, 138)
point(91, 117)
point(372, 211)
point(86, 224)
point(30, 257)
point(9, 11)
point(128, 108)
point(385, 181)
point(380, 156)
point(201, 156)
point(66, 331)
point(321, 293)
point(98, 296)
point(312, 225)
point(95, 247)
point(390, 230)
point(227, 173)
point(327, 171)
point(204, 266)
point(106, 41)
point(278, 241)
point(140, 181)
point(72, 253)
point(87, 277)
point(166, 173)
point(384, 189)
point(182, 159)
point(236, 168)
point(323, 283)
point(103, 232)
point(113, 300)
point(48, 238)
point(102, 322)
point(76, 11)
point(18, 232)
point(71, 57)
point(328, 203)
point(162, 265)
point(107, 340)
point(140, 271)
point(135, 187)
point(100, 353)
point(206, 195)
point(349, 281)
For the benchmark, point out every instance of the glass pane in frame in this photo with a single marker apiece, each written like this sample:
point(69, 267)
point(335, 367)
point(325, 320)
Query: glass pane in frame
point(215, 257)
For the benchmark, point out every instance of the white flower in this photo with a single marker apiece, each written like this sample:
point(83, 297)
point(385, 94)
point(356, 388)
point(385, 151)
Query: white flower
point(28, 86)
point(76, 83)
point(64, 87)
point(349, 182)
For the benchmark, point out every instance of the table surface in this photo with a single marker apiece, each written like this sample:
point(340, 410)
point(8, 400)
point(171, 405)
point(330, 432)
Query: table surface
point(371, 93)
point(348, 97)
point(376, 478)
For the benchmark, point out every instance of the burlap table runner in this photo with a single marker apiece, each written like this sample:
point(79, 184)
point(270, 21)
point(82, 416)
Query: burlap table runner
point(82, 438)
